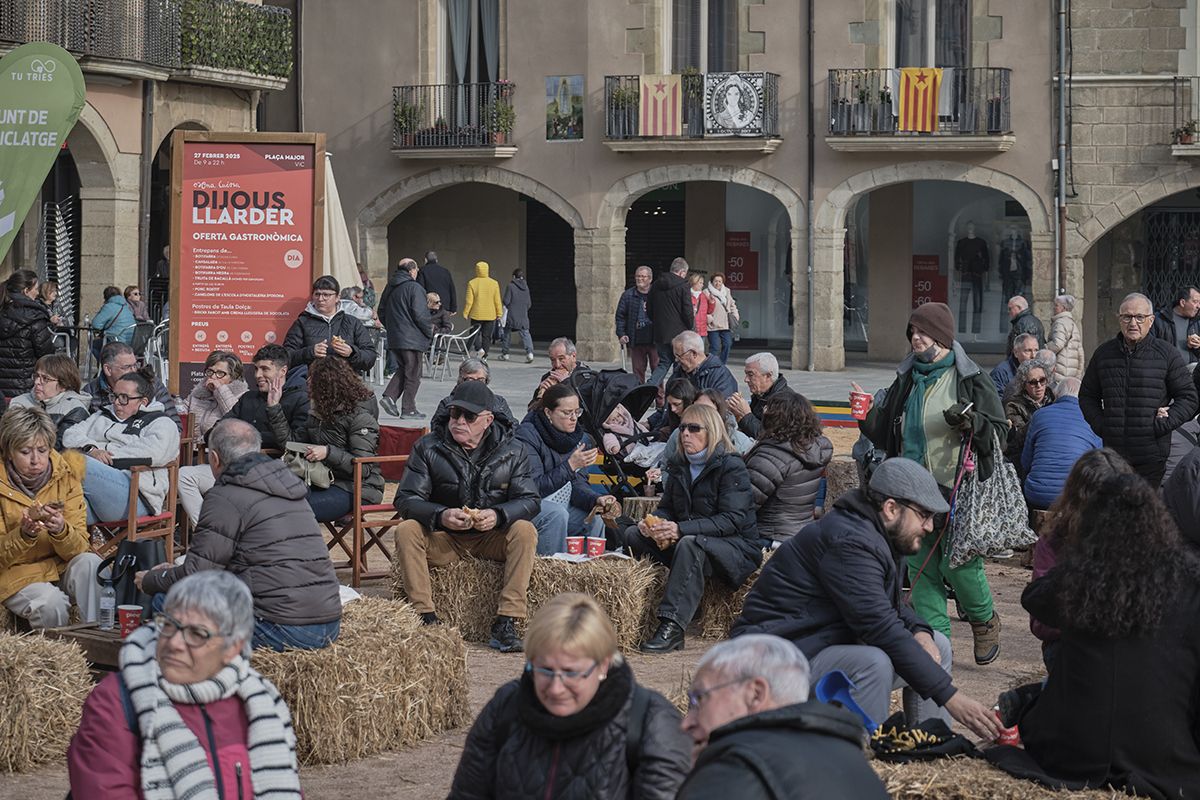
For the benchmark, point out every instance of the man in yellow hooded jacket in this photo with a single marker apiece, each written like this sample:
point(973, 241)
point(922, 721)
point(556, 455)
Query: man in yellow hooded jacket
point(483, 307)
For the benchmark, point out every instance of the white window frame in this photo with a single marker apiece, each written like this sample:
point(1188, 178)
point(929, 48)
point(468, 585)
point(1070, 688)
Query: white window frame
point(930, 34)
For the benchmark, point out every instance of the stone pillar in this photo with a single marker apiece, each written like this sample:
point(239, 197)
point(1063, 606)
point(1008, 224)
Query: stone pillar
point(599, 281)
point(889, 276)
point(109, 246)
point(829, 351)
point(1045, 276)
point(373, 254)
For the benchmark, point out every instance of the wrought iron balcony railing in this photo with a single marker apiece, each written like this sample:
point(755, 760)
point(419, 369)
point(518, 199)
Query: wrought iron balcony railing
point(971, 101)
point(740, 104)
point(453, 115)
point(1185, 103)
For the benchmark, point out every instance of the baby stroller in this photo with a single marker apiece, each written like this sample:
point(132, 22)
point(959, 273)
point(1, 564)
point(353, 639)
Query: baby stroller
point(600, 392)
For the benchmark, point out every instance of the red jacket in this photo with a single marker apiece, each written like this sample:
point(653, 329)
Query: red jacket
point(700, 312)
point(104, 756)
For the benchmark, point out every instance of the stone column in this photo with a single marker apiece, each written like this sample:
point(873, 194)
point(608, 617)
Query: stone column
point(599, 281)
point(1045, 276)
point(109, 246)
point(829, 352)
point(373, 254)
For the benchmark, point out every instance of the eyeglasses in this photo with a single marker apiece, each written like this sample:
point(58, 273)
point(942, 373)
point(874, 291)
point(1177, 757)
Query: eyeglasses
point(565, 675)
point(462, 413)
point(1036, 382)
point(925, 516)
point(40, 378)
point(215, 373)
point(696, 698)
point(572, 414)
point(691, 427)
point(122, 399)
point(324, 295)
point(1128, 318)
point(193, 635)
point(135, 294)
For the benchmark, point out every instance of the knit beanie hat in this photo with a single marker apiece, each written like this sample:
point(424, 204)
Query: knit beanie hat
point(936, 320)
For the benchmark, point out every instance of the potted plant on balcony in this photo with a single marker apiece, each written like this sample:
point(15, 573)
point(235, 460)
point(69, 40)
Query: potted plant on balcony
point(692, 80)
point(503, 119)
point(624, 111)
point(884, 121)
point(1187, 133)
point(407, 117)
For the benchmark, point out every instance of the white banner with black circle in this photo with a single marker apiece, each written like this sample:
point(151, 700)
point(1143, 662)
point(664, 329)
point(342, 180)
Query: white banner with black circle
point(733, 103)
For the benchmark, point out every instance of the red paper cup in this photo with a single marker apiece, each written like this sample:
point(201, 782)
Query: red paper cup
point(595, 546)
point(1010, 736)
point(575, 545)
point(129, 617)
point(860, 404)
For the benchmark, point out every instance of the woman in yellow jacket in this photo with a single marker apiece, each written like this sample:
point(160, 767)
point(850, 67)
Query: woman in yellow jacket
point(46, 561)
point(483, 307)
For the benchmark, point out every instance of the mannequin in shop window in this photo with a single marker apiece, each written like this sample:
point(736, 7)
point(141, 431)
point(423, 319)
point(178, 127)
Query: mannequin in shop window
point(1016, 263)
point(972, 260)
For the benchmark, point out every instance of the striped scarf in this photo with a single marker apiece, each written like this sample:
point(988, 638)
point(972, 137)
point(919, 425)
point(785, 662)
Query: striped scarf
point(174, 765)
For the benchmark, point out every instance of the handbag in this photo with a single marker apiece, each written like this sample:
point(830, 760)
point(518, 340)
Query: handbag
point(989, 516)
point(315, 474)
point(130, 559)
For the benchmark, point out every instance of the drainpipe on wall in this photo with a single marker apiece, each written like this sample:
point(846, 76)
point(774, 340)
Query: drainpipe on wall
point(147, 166)
point(809, 193)
point(1060, 228)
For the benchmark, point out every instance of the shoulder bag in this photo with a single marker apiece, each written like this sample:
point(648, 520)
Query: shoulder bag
point(989, 516)
point(315, 474)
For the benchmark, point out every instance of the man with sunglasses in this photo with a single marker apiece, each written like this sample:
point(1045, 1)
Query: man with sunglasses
point(834, 590)
point(468, 490)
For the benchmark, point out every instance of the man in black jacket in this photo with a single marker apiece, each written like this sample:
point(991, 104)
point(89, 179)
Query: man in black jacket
point(1022, 320)
point(834, 590)
point(323, 328)
point(436, 278)
point(409, 334)
point(1180, 324)
point(764, 382)
point(117, 359)
point(1137, 390)
point(468, 489)
point(705, 372)
point(670, 315)
point(757, 737)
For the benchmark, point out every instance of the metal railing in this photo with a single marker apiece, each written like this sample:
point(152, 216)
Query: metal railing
point(757, 98)
point(1185, 102)
point(453, 115)
point(972, 101)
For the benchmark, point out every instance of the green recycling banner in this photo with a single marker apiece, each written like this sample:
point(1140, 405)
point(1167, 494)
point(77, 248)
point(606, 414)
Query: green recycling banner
point(41, 96)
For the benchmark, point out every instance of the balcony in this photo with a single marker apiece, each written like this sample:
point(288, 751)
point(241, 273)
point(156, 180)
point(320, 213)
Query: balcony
point(744, 114)
point(230, 43)
point(1185, 138)
point(453, 121)
point(973, 112)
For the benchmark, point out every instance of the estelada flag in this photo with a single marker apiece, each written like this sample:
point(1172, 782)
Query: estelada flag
point(919, 98)
point(661, 106)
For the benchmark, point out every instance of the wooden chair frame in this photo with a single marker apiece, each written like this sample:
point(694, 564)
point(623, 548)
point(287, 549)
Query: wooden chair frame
point(154, 526)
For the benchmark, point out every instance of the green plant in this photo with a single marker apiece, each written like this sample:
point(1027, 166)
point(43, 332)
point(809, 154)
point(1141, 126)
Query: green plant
point(693, 82)
point(231, 35)
point(1187, 130)
point(407, 116)
point(503, 116)
point(625, 96)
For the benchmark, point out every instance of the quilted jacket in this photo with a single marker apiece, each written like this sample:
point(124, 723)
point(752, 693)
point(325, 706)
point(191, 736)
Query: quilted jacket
point(785, 484)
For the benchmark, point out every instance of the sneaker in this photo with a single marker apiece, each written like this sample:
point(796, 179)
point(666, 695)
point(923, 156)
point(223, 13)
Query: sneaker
point(1006, 553)
point(430, 618)
point(504, 636)
point(414, 414)
point(987, 640)
point(667, 638)
point(529, 358)
point(504, 356)
point(389, 405)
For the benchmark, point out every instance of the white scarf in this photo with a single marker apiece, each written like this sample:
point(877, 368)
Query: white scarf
point(173, 763)
point(721, 296)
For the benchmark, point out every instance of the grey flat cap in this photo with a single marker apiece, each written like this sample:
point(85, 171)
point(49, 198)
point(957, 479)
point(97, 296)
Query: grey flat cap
point(905, 479)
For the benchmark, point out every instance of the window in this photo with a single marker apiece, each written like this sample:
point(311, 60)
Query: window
point(711, 22)
point(473, 41)
point(931, 33)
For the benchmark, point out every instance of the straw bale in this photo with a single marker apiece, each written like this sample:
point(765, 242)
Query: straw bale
point(840, 477)
point(7, 620)
point(721, 604)
point(966, 779)
point(43, 683)
point(387, 682)
point(465, 592)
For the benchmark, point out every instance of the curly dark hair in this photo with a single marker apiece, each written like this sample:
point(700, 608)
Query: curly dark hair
point(789, 417)
point(1108, 588)
point(1091, 470)
point(334, 387)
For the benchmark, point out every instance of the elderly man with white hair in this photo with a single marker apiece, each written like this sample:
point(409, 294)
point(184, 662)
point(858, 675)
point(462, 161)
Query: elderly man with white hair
point(704, 372)
point(764, 382)
point(757, 736)
point(1022, 320)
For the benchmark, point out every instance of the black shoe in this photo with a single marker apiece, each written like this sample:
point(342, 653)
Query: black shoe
point(504, 636)
point(430, 618)
point(667, 638)
point(389, 405)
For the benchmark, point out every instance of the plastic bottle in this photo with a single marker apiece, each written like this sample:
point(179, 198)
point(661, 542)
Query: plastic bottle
point(108, 605)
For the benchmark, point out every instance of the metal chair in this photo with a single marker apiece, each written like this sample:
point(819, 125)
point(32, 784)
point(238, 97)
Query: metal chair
point(454, 341)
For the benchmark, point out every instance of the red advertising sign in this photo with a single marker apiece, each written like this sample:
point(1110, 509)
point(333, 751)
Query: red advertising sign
point(741, 263)
point(928, 284)
point(245, 243)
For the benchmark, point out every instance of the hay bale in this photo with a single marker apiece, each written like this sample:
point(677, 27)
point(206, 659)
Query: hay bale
point(7, 620)
point(840, 477)
point(721, 604)
point(966, 779)
point(465, 592)
point(387, 682)
point(43, 683)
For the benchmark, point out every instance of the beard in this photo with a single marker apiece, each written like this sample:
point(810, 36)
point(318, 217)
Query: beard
point(906, 542)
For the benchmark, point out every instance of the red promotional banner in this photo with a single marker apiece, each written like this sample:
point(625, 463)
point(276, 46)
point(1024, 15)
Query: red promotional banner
point(741, 263)
point(928, 284)
point(244, 246)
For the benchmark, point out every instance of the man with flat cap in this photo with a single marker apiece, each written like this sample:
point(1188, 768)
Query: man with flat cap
point(833, 589)
point(467, 490)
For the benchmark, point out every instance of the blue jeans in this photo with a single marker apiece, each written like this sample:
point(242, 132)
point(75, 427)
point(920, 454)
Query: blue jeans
point(294, 637)
point(526, 340)
point(556, 521)
point(106, 490)
point(666, 360)
point(719, 343)
point(330, 504)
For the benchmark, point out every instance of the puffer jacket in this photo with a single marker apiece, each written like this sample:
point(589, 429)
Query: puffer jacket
point(310, 328)
point(1164, 328)
point(440, 475)
point(700, 310)
point(718, 509)
point(785, 483)
point(66, 408)
point(518, 303)
point(483, 296)
point(1055, 439)
point(348, 436)
point(256, 524)
point(25, 336)
point(751, 424)
point(1017, 410)
point(149, 433)
point(712, 374)
point(721, 313)
point(1026, 322)
point(1122, 390)
point(1067, 344)
point(44, 559)
point(115, 319)
point(670, 304)
point(1182, 499)
point(551, 469)
point(252, 407)
point(208, 407)
point(405, 314)
point(516, 749)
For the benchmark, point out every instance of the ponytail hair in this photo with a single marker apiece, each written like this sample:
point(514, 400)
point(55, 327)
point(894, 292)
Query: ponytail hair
point(142, 378)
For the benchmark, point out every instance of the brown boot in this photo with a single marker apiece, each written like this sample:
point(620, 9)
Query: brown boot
point(987, 640)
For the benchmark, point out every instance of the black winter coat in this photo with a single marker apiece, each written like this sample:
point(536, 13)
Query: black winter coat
point(518, 303)
point(785, 483)
point(406, 314)
point(1123, 389)
point(670, 307)
point(252, 407)
point(751, 424)
point(1164, 328)
point(718, 509)
point(1026, 322)
point(433, 277)
point(517, 750)
point(256, 524)
point(441, 475)
point(551, 469)
point(309, 329)
point(838, 582)
point(25, 336)
point(634, 308)
point(712, 374)
point(348, 436)
point(808, 751)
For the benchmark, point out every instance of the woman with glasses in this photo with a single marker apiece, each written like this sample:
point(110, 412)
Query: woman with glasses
point(25, 333)
point(324, 329)
point(133, 296)
point(576, 726)
point(214, 396)
point(704, 525)
point(343, 424)
point(57, 390)
point(558, 450)
point(133, 430)
point(175, 720)
point(1030, 391)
